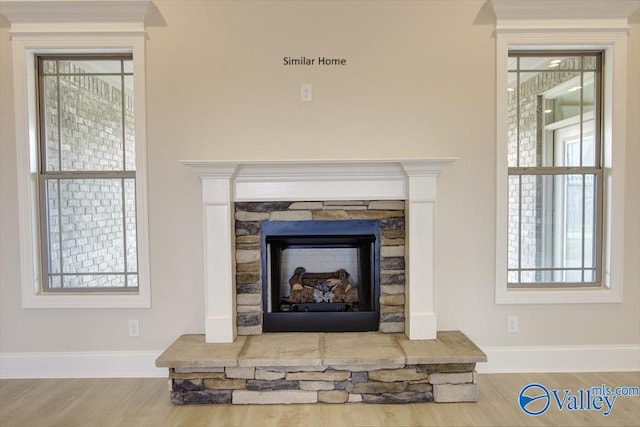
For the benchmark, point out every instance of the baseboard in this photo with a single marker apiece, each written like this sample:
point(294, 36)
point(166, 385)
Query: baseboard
point(82, 364)
point(604, 358)
point(141, 364)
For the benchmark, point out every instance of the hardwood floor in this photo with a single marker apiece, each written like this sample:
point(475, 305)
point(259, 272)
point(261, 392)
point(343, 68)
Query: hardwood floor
point(145, 402)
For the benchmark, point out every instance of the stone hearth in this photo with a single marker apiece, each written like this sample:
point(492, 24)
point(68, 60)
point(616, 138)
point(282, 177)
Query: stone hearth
point(323, 368)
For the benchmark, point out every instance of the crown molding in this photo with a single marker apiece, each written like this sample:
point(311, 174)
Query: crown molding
point(29, 14)
point(563, 14)
point(564, 9)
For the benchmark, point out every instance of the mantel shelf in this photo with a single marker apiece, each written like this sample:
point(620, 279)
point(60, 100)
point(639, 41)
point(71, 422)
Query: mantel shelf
point(292, 169)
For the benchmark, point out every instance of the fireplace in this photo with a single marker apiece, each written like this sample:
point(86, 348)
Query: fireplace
point(320, 276)
point(225, 184)
point(294, 259)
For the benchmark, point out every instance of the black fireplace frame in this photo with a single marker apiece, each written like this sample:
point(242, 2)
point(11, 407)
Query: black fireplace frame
point(329, 234)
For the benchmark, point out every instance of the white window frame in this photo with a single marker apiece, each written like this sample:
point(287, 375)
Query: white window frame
point(38, 29)
point(519, 27)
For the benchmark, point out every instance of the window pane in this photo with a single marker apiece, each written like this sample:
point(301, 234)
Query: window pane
point(549, 63)
point(574, 145)
point(55, 282)
point(572, 95)
point(128, 66)
point(512, 109)
point(569, 243)
point(93, 230)
point(551, 276)
point(51, 123)
point(94, 281)
point(528, 149)
point(91, 125)
point(514, 222)
point(89, 66)
point(588, 132)
point(49, 67)
point(528, 223)
point(590, 275)
point(130, 218)
point(132, 280)
point(53, 226)
point(590, 202)
point(556, 227)
point(588, 93)
point(589, 62)
point(64, 67)
point(129, 135)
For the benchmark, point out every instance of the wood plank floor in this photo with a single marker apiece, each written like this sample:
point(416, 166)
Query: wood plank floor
point(145, 402)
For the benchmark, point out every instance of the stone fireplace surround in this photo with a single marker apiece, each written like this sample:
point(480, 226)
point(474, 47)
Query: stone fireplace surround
point(386, 288)
point(226, 182)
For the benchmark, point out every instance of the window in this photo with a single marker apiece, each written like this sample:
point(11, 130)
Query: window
point(560, 202)
point(555, 169)
point(61, 56)
point(87, 173)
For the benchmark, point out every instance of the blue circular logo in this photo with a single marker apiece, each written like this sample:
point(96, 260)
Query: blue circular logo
point(534, 399)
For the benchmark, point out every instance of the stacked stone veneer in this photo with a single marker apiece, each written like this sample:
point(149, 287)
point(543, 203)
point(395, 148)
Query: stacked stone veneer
point(249, 217)
point(451, 382)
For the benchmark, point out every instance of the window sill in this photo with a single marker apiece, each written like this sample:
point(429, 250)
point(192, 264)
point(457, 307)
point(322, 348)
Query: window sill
point(139, 300)
point(558, 296)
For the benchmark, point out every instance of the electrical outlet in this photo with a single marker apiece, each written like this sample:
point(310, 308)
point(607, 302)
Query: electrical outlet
point(306, 92)
point(134, 328)
point(512, 323)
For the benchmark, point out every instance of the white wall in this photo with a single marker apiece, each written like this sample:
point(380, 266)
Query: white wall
point(419, 82)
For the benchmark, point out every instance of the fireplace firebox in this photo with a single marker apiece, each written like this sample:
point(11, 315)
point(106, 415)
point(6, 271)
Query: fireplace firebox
point(321, 276)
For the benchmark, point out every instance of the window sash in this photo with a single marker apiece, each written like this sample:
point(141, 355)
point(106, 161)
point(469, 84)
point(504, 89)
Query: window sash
point(45, 176)
point(128, 272)
point(558, 171)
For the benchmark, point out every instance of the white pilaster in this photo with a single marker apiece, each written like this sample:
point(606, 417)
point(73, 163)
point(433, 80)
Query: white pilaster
point(420, 267)
point(219, 254)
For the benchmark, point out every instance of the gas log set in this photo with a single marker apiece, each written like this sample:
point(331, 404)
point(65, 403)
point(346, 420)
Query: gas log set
point(330, 291)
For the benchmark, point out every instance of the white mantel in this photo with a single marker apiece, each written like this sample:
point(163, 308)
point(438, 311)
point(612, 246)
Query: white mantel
point(226, 182)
